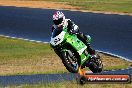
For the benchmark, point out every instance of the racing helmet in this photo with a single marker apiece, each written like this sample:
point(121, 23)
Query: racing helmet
point(58, 18)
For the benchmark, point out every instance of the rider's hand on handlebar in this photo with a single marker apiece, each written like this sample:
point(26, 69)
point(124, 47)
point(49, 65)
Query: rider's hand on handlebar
point(72, 31)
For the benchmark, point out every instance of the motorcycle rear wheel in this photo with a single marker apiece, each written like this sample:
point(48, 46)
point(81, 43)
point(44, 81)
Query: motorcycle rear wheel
point(96, 65)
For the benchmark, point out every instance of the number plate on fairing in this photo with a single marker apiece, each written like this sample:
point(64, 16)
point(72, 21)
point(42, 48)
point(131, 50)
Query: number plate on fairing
point(58, 39)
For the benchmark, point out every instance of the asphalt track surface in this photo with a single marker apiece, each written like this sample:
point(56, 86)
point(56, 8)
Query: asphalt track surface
point(48, 78)
point(110, 33)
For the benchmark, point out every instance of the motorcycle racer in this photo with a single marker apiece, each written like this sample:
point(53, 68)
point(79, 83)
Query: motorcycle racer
point(59, 21)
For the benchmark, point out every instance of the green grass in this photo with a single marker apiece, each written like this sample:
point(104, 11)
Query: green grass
point(22, 57)
point(17, 49)
point(19, 57)
point(73, 84)
point(123, 6)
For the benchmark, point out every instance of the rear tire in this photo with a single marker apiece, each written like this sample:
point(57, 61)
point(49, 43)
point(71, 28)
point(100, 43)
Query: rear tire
point(96, 65)
point(69, 61)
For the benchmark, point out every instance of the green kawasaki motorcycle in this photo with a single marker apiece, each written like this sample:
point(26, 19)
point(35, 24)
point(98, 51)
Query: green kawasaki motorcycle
point(73, 52)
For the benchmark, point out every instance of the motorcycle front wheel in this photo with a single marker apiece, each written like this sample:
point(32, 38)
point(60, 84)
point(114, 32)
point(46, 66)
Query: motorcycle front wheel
point(70, 61)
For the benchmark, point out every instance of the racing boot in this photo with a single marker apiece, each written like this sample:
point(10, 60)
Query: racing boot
point(86, 40)
point(90, 50)
point(87, 43)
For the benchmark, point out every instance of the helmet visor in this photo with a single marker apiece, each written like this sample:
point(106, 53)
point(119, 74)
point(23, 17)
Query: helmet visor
point(57, 22)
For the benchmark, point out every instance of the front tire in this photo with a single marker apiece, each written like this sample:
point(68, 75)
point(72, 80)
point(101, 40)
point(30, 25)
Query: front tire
point(70, 61)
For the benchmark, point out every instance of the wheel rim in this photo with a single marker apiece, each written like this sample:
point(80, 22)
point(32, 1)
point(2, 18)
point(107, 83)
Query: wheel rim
point(72, 62)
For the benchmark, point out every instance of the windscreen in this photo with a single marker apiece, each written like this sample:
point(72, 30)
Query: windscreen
point(56, 32)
